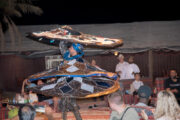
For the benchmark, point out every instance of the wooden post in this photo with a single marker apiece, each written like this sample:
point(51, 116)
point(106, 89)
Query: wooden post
point(150, 63)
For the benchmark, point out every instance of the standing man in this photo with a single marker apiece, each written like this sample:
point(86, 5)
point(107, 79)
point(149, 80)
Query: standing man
point(173, 84)
point(121, 67)
point(133, 67)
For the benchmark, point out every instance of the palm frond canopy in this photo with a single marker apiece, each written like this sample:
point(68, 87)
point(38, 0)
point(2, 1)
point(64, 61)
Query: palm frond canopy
point(9, 8)
point(17, 7)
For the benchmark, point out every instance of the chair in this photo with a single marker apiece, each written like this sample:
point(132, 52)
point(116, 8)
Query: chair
point(159, 83)
point(3, 113)
point(130, 99)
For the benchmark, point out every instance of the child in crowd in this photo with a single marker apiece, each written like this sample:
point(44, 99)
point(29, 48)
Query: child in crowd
point(137, 83)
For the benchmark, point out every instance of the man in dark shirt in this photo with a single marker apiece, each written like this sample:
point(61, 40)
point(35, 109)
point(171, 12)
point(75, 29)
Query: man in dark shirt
point(173, 84)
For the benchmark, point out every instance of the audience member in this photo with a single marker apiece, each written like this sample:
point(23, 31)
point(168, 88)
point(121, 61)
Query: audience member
point(40, 82)
point(173, 84)
point(122, 68)
point(121, 111)
point(137, 83)
point(133, 67)
point(167, 107)
point(21, 98)
point(93, 63)
point(51, 110)
point(144, 94)
point(55, 105)
point(33, 97)
point(27, 84)
point(26, 112)
point(42, 98)
point(13, 111)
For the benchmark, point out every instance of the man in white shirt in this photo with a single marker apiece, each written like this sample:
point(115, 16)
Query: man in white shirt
point(133, 68)
point(121, 68)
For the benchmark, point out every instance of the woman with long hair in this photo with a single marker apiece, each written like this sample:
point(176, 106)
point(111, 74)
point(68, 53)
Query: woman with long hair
point(167, 107)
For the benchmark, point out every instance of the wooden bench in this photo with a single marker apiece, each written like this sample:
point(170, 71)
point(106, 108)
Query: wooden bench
point(145, 80)
point(130, 99)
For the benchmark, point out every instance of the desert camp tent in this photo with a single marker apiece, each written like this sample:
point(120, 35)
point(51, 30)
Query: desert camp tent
point(137, 36)
point(155, 46)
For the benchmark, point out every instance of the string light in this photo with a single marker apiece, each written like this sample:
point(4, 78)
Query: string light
point(115, 53)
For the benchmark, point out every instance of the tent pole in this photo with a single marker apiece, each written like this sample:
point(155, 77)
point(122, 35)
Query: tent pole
point(150, 63)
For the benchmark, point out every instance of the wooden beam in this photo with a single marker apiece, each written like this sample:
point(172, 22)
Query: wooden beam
point(150, 63)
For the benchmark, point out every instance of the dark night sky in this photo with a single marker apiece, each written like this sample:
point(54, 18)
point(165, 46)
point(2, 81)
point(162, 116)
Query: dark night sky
point(78, 12)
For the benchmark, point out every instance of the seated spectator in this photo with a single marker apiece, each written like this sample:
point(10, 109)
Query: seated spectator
point(144, 94)
point(167, 107)
point(94, 66)
point(27, 84)
point(33, 97)
point(26, 112)
point(42, 98)
point(55, 104)
point(173, 84)
point(136, 84)
point(40, 82)
point(21, 98)
point(93, 63)
point(133, 67)
point(53, 108)
point(121, 111)
point(13, 111)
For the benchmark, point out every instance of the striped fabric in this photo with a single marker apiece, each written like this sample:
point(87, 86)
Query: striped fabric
point(130, 99)
point(159, 83)
point(3, 113)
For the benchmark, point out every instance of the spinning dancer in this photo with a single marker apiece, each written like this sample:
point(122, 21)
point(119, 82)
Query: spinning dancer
point(77, 78)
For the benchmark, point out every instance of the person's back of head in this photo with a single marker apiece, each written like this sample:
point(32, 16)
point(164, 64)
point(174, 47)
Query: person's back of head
point(115, 99)
point(26, 112)
point(144, 94)
point(167, 105)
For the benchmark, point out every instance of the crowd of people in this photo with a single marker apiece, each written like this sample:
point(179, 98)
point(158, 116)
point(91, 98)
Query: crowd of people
point(168, 100)
point(166, 108)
